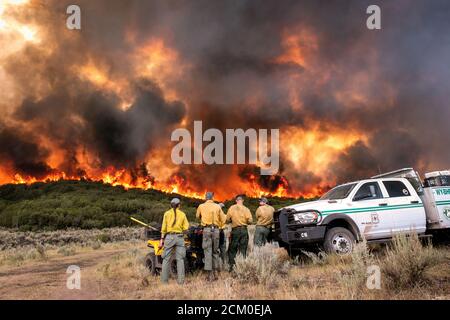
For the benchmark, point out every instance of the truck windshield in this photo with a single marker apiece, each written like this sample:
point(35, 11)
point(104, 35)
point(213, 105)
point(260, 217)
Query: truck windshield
point(440, 181)
point(340, 192)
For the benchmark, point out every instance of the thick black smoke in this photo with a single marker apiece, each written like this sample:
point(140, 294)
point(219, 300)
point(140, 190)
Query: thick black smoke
point(24, 155)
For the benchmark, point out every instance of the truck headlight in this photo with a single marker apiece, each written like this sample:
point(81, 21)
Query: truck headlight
point(307, 217)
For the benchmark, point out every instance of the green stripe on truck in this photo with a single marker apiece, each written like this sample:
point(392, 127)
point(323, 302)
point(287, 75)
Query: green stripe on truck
point(371, 209)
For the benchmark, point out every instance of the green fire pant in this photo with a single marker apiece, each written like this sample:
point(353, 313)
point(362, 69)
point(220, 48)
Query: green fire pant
point(238, 244)
point(173, 244)
point(261, 235)
point(211, 237)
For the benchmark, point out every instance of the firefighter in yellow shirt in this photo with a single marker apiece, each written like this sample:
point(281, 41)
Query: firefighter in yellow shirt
point(173, 227)
point(212, 219)
point(239, 216)
point(264, 221)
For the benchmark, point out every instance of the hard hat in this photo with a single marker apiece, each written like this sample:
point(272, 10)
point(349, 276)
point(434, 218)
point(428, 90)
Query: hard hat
point(263, 200)
point(209, 195)
point(239, 197)
point(221, 205)
point(175, 201)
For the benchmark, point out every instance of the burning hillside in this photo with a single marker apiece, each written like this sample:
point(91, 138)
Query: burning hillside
point(100, 103)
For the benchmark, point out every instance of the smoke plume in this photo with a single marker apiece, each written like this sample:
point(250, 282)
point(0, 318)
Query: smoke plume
point(101, 102)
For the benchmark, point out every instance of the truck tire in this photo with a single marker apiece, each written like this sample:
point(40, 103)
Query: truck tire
point(150, 263)
point(339, 240)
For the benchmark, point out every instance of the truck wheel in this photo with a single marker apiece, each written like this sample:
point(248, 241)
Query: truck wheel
point(150, 263)
point(339, 240)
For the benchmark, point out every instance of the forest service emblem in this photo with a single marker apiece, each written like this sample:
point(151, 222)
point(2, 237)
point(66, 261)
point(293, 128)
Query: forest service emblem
point(447, 212)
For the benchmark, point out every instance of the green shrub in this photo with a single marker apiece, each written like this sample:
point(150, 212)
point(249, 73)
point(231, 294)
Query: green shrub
point(85, 204)
point(81, 204)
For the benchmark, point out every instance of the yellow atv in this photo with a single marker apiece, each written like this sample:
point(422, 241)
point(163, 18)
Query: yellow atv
point(192, 241)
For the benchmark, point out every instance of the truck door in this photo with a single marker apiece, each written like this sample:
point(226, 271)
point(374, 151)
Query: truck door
point(404, 206)
point(373, 224)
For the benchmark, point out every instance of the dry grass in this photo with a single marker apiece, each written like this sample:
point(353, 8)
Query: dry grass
point(20, 256)
point(123, 275)
point(320, 258)
point(38, 253)
point(338, 278)
point(18, 248)
point(68, 250)
point(353, 276)
point(15, 239)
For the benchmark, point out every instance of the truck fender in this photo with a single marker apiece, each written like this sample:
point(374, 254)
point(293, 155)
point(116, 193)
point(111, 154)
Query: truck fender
point(339, 216)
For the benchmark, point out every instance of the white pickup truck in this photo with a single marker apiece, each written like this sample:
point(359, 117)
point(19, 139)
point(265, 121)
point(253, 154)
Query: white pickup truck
point(376, 209)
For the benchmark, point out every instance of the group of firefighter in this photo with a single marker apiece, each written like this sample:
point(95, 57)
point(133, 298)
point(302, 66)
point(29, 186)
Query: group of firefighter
point(213, 221)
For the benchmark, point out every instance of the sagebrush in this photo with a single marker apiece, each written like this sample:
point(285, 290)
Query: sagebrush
point(262, 265)
point(407, 260)
point(353, 277)
point(14, 239)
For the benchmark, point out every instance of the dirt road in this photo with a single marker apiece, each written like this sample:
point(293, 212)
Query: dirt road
point(47, 279)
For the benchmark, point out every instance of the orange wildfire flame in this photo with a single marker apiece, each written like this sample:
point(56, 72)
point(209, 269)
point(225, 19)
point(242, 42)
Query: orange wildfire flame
point(176, 185)
point(310, 150)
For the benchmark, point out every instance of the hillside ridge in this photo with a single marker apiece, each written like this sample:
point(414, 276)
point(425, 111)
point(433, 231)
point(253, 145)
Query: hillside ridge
point(87, 204)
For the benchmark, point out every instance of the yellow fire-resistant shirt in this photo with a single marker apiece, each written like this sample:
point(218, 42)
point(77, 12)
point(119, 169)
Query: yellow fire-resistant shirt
point(264, 215)
point(181, 223)
point(211, 213)
point(239, 215)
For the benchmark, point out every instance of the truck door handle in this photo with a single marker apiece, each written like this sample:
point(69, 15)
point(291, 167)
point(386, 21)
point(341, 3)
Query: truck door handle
point(415, 201)
point(383, 204)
